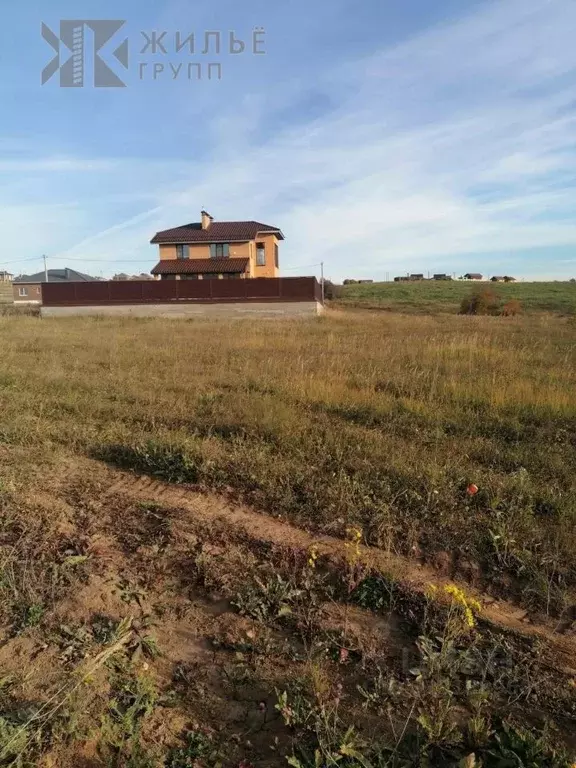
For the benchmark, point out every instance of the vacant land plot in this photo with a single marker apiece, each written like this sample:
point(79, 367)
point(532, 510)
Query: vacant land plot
point(342, 542)
point(445, 296)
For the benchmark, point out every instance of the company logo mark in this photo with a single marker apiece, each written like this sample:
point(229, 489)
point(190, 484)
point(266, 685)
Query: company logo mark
point(80, 48)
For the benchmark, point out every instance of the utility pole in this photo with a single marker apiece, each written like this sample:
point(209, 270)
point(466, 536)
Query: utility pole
point(45, 270)
point(322, 279)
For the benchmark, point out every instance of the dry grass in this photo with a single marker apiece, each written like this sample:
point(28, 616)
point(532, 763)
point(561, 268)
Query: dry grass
point(352, 420)
point(366, 421)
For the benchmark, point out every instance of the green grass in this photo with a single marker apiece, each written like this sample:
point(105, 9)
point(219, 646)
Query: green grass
point(445, 296)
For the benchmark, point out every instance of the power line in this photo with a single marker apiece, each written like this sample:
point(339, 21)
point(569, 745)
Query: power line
point(19, 261)
point(302, 266)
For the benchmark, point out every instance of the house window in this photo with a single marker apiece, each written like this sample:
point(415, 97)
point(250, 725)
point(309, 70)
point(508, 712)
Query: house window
point(168, 277)
point(38, 290)
point(260, 255)
point(220, 251)
point(188, 277)
point(182, 251)
point(22, 291)
point(276, 255)
point(231, 276)
point(211, 276)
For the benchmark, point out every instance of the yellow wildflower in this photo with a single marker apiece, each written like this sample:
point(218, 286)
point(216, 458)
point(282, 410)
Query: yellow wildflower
point(355, 535)
point(313, 556)
point(431, 591)
point(468, 604)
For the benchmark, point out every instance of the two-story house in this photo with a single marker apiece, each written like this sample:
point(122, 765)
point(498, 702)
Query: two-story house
point(218, 249)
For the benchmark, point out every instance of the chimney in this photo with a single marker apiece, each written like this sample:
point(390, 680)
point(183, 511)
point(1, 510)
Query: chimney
point(206, 220)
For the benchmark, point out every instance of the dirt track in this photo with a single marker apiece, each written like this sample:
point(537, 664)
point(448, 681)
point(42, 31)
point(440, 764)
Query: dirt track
point(504, 615)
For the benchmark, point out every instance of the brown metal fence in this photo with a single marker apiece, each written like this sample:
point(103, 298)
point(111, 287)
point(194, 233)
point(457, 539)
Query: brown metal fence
point(108, 292)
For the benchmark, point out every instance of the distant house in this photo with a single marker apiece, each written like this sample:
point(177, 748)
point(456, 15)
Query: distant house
point(218, 249)
point(417, 276)
point(497, 279)
point(401, 279)
point(472, 276)
point(509, 279)
point(442, 276)
point(124, 276)
point(27, 289)
point(5, 277)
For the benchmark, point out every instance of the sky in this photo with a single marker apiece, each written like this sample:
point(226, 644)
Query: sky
point(381, 137)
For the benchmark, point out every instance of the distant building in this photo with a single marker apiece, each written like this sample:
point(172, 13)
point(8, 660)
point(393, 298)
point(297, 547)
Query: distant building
point(362, 282)
point(497, 279)
point(28, 288)
point(401, 279)
point(124, 276)
point(350, 281)
point(442, 276)
point(472, 276)
point(6, 277)
point(417, 276)
point(211, 249)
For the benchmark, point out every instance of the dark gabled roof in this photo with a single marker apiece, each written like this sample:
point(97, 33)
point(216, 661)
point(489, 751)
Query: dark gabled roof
point(65, 275)
point(472, 274)
point(199, 266)
point(217, 232)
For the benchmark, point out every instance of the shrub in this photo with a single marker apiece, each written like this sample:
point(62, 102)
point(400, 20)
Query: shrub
point(331, 291)
point(480, 302)
point(511, 308)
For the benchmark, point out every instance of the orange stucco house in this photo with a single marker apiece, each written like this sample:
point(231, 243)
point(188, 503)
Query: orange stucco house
point(217, 249)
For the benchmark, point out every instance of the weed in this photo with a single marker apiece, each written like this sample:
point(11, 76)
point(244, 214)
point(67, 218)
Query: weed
point(483, 301)
point(13, 742)
point(511, 308)
point(28, 616)
point(324, 741)
point(199, 749)
point(267, 598)
point(132, 702)
point(104, 628)
point(375, 592)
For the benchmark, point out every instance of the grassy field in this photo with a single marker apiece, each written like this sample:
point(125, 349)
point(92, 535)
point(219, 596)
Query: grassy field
point(445, 296)
point(345, 542)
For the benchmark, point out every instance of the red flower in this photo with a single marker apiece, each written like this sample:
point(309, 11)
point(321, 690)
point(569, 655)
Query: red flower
point(344, 653)
point(472, 489)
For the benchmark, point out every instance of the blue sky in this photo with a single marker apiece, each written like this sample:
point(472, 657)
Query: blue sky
point(382, 137)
